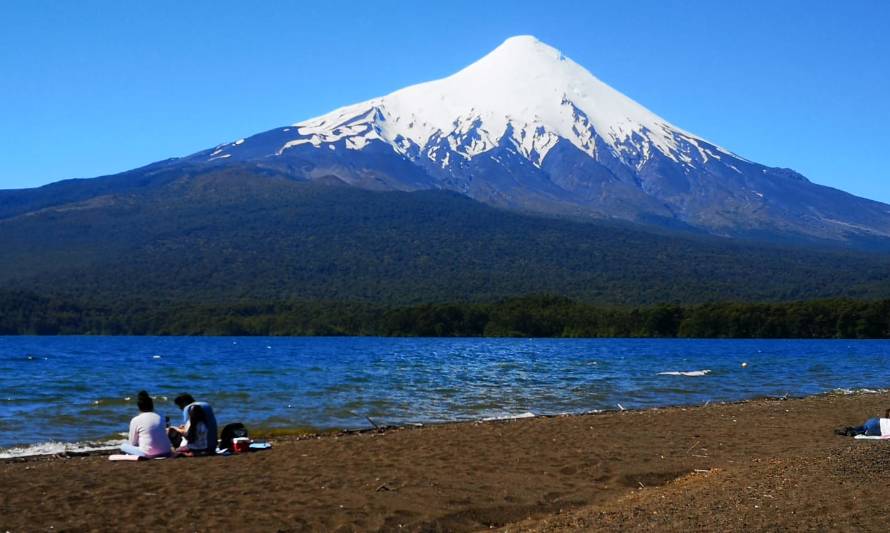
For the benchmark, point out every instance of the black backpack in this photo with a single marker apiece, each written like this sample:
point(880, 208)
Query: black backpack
point(230, 432)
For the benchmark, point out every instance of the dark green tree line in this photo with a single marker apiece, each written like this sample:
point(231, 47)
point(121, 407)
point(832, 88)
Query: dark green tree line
point(24, 313)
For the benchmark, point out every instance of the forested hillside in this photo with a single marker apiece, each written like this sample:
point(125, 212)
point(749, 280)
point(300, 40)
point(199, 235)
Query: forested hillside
point(237, 234)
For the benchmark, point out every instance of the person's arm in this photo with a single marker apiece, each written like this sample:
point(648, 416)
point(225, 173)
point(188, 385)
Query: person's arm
point(183, 429)
point(133, 436)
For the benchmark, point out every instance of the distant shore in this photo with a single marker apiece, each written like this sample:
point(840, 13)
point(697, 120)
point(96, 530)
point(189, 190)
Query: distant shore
point(541, 316)
point(755, 465)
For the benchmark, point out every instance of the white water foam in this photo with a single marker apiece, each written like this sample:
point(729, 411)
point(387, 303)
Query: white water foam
point(53, 448)
point(688, 373)
point(527, 414)
point(858, 391)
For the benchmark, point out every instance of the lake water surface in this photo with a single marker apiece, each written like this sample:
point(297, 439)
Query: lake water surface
point(82, 389)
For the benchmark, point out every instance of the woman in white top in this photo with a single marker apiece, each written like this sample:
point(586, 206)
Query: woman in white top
point(148, 434)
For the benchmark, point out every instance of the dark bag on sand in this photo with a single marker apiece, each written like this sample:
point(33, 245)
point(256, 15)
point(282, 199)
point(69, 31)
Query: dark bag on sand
point(229, 433)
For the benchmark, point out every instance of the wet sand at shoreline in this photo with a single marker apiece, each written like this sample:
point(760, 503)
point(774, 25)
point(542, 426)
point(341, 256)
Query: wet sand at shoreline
point(758, 465)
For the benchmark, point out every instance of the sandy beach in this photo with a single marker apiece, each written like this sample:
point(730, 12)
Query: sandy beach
point(751, 466)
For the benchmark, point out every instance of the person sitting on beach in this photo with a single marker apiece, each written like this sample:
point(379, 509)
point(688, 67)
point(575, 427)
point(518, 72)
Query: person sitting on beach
point(873, 427)
point(148, 435)
point(195, 433)
point(185, 401)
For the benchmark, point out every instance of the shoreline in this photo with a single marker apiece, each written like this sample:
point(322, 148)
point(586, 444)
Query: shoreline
point(101, 447)
point(91, 334)
point(669, 468)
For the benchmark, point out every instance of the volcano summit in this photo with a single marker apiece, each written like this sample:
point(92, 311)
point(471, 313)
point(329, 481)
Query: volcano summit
point(527, 128)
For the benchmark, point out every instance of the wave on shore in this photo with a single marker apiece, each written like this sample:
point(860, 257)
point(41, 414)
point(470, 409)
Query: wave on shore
point(527, 414)
point(53, 448)
point(859, 391)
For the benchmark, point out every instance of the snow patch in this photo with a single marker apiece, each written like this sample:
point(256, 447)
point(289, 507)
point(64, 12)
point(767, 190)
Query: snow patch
point(523, 87)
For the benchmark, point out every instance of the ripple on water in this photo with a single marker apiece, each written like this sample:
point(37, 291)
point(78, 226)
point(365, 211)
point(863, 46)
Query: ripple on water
point(266, 371)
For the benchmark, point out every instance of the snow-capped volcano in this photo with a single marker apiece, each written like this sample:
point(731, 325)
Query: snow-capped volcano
point(526, 127)
point(524, 93)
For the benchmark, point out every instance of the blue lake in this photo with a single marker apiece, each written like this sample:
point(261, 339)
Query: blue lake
point(78, 389)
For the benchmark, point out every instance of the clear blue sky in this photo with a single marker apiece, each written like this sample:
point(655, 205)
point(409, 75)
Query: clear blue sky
point(90, 88)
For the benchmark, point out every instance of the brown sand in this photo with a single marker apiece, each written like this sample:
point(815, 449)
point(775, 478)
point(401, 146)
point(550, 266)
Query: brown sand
point(760, 465)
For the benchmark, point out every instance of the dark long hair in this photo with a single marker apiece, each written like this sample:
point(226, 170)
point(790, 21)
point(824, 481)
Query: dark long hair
point(144, 402)
point(183, 400)
point(196, 416)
